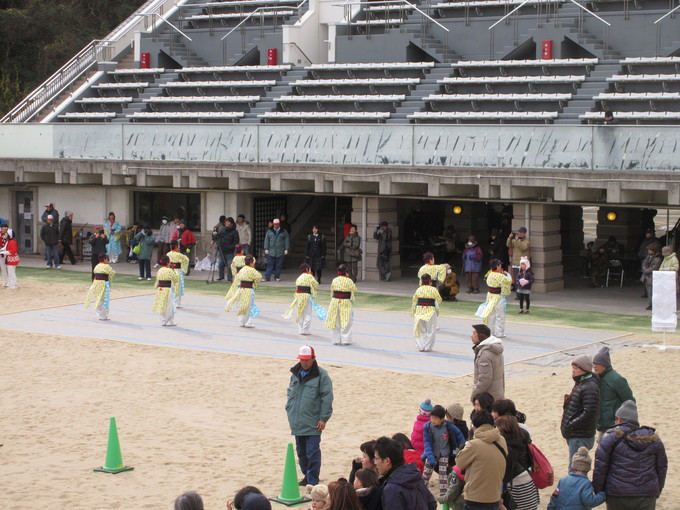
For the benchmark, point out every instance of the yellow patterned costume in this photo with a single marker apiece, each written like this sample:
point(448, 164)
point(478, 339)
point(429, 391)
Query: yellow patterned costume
point(302, 298)
point(160, 304)
point(236, 265)
point(181, 260)
point(340, 308)
point(436, 271)
point(243, 294)
point(96, 296)
point(424, 313)
point(496, 280)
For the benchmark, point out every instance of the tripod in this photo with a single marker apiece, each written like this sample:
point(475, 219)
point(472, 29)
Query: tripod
point(216, 252)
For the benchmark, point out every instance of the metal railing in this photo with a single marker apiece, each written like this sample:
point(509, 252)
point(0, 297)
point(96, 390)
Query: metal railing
point(547, 15)
point(97, 50)
point(670, 14)
point(261, 11)
point(293, 43)
point(425, 19)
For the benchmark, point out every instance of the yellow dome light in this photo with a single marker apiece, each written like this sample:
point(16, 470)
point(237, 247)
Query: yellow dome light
point(611, 216)
point(457, 209)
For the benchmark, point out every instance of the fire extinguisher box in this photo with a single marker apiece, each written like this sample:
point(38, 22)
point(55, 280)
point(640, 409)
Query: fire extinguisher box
point(272, 56)
point(146, 60)
point(547, 52)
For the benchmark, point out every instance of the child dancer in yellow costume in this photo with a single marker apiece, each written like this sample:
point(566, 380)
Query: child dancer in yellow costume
point(340, 315)
point(499, 282)
point(247, 278)
point(164, 304)
point(303, 303)
point(100, 290)
point(180, 263)
point(237, 263)
point(437, 272)
point(424, 310)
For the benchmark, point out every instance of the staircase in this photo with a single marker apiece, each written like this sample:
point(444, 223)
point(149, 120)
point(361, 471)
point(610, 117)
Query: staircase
point(138, 104)
point(428, 42)
point(176, 49)
point(582, 101)
point(267, 103)
point(324, 219)
point(414, 102)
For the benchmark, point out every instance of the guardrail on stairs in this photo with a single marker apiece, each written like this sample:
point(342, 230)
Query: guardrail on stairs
point(96, 51)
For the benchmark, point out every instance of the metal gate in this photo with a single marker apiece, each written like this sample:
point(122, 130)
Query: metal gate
point(265, 209)
point(24, 224)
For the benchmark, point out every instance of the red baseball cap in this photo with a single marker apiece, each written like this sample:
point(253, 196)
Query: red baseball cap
point(306, 352)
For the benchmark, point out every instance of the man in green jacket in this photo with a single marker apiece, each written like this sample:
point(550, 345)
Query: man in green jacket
point(309, 407)
point(614, 389)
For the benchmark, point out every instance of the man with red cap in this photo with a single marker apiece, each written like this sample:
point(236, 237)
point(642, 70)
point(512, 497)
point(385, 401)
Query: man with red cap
point(309, 407)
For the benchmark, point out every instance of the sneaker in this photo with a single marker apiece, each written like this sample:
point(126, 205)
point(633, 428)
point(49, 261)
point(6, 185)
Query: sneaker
point(140, 278)
point(156, 266)
point(648, 308)
point(148, 279)
point(278, 279)
point(521, 312)
point(303, 482)
point(58, 267)
point(48, 266)
point(266, 280)
point(476, 291)
point(526, 312)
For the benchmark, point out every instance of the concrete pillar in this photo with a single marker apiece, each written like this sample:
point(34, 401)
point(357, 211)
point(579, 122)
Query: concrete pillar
point(546, 252)
point(571, 217)
point(377, 210)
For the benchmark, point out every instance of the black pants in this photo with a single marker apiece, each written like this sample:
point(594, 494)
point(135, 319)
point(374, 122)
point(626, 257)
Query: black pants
point(95, 261)
point(522, 297)
point(67, 251)
point(317, 274)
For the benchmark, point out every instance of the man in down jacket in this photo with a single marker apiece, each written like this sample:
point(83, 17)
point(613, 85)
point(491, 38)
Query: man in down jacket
point(630, 463)
point(489, 374)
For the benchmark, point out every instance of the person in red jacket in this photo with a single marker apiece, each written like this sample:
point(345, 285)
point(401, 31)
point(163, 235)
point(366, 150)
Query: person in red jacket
point(186, 239)
point(10, 253)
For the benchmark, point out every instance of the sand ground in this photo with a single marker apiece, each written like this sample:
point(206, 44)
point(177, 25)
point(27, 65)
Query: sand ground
point(213, 422)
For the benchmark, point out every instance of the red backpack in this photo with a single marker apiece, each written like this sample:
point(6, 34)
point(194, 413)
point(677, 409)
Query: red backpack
point(542, 474)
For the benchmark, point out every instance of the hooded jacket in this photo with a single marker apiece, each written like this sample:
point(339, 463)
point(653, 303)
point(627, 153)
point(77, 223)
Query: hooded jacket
point(417, 439)
point(489, 372)
point(582, 408)
point(454, 436)
point(484, 465)
point(635, 466)
point(575, 492)
point(614, 391)
point(310, 400)
point(403, 488)
point(472, 258)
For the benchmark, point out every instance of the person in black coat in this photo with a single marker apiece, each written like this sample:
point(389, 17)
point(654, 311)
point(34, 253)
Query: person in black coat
point(581, 406)
point(228, 238)
point(315, 252)
point(98, 241)
point(66, 237)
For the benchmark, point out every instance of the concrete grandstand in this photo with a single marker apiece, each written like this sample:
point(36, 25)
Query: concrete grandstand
point(478, 114)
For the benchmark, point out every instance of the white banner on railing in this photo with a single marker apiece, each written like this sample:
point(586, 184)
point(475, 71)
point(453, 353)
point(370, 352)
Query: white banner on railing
point(664, 306)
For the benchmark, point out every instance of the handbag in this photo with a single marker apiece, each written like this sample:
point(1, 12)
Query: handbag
point(542, 472)
point(137, 249)
point(355, 252)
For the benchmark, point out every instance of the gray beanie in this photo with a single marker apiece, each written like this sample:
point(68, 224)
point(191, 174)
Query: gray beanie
point(581, 461)
point(628, 412)
point(583, 362)
point(455, 411)
point(602, 357)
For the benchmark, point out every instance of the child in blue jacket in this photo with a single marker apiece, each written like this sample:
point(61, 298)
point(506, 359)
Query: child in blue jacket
point(442, 440)
point(575, 491)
